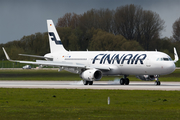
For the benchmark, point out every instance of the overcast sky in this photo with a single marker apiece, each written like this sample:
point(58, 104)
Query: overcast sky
point(25, 17)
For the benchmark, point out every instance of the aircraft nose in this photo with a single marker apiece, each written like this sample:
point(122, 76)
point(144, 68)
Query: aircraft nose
point(167, 68)
point(171, 67)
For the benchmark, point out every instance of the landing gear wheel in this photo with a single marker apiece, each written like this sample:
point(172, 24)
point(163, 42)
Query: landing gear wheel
point(158, 83)
point(122, 81)
point(90, 82)
point(85, 82)
point(126, 82)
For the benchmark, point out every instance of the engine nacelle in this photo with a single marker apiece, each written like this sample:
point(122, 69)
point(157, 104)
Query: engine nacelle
point(91, 75)
point(146, 77)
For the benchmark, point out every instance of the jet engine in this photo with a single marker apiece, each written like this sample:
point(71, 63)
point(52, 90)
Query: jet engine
point(146, 77)
point(91, 75)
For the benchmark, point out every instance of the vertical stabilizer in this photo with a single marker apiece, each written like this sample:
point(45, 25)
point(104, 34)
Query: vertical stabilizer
point(54, 39)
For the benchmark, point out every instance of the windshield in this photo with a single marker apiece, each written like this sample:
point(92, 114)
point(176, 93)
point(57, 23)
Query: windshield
point(164, 59)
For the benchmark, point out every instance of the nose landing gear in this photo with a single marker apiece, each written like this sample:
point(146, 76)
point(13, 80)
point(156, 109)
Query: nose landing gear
point(157, 82)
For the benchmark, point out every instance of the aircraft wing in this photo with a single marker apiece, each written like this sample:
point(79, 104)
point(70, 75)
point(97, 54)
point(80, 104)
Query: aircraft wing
point(64, 64)
point(53, 63)
point(34, 56)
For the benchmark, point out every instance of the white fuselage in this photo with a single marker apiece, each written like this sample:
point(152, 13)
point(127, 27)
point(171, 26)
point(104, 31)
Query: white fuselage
point(121, 62)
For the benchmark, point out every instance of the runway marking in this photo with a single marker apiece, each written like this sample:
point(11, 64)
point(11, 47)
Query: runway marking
point(97, 85)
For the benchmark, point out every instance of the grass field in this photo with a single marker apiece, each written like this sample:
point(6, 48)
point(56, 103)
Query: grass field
point(51, 104)
point(63, 75)
point(55, 104)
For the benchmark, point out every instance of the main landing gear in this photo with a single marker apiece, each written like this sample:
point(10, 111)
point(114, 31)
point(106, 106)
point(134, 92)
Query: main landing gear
point(124, 81)
point(85, 82)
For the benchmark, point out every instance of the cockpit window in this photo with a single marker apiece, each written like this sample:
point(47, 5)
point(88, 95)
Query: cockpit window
point(170, 59)
point(164, 59)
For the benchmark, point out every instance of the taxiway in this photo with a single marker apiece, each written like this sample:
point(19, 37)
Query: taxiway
point(144, 85)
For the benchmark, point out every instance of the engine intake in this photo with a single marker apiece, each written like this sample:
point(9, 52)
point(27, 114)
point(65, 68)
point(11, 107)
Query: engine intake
point(146, 77)
point(91, 75)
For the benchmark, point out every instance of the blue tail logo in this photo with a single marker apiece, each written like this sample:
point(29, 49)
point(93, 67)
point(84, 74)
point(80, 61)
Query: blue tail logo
point(53, 38)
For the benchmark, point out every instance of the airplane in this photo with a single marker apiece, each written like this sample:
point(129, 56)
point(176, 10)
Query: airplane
point(92, 65)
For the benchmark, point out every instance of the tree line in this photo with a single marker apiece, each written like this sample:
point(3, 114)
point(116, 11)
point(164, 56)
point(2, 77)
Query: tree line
point(127, 27)
point(130, 21)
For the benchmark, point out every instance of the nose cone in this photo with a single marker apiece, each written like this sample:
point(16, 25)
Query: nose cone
point(172, 67)
point(169, 67)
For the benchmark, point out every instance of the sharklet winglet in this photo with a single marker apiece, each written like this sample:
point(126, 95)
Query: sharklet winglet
point(175, 55)
point(7, 56)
